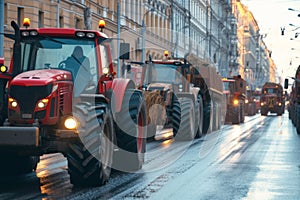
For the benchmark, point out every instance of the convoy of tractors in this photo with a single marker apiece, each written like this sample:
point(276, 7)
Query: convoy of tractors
point(60, 94)
point(294, 100)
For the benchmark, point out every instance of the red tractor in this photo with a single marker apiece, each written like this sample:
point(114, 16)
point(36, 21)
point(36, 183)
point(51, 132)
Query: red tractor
point(54, 99)
point(235, 92)
point(272, 99)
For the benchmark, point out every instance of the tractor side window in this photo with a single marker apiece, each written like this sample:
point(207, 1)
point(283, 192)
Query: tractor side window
point(231, 87)
point(104, 59)
point(91, 54)
point(25, 55)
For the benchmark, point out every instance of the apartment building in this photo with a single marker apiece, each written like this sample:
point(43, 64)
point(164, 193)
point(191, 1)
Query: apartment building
point(223, 33)
point(85, 14)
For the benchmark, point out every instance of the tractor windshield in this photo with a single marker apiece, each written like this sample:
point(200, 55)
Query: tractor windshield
point(49, 52)
point(270, 91)
point(162, 73)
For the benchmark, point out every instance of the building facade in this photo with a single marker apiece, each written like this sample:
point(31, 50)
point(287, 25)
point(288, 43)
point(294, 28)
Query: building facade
point(222, 33)
point(85, 14)
point(253, 57)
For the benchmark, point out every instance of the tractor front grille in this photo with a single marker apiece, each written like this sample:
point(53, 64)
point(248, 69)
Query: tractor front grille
point(27, 97)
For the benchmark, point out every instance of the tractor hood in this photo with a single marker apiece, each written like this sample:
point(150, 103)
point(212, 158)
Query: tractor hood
point(41, 77)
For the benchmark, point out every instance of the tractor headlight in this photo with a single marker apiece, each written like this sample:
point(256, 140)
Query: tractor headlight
point(262, 104)
point(235, 102)
point(42, 103)
point(279, 104)
point(71, 123)
point(80, 34)
point(246, 101)
point(105, 70)
point(12, 102)
point(3, 69)
point(180, 88)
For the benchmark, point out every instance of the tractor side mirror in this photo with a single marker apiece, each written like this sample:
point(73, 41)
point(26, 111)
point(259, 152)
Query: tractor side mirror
point(286, 83)
point(128, 68)
point(124, 51)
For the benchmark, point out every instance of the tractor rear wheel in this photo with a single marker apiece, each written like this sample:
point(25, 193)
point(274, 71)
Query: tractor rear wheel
point(206, 117)
point(199, 117)
point(176, 116)
point(242, 113)
point(187, 125)
point(130, 124)
point(235, 114)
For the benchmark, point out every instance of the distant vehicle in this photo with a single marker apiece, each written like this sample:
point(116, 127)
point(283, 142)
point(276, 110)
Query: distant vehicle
point(250, 103)
point(257, 99)
point(183, 99)
point(272, 99)
point(294, 100)
point(235, 92)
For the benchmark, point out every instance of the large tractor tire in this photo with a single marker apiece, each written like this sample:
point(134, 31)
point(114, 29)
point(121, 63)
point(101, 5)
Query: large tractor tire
point(15, 164)
point(218, 116)
point(199, 117)
point(242, 113)
point(206, 117)
point(250, 109)
point(297, 120)
point(186, 130)
point(90, 158)
point(130, 126)
point(235, 114)
point(263, 112)
point(294, 114)
point(176, 116)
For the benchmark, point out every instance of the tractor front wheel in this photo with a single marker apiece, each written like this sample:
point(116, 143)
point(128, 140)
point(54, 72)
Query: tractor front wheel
point(90, 158)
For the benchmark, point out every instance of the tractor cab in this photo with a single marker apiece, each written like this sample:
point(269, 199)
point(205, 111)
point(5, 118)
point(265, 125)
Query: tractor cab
point(82, 56)
point(173, 73)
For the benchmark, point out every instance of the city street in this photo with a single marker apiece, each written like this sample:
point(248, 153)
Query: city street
point(259, 159)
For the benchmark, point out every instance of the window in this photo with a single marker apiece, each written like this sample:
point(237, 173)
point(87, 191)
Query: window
point(5, 13)
point(20, 15)
point(61, 21)
point(41, 19)
point(78, 23)
point(104, 59)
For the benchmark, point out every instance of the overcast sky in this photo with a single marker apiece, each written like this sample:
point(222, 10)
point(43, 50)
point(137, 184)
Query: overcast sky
point(271, 16)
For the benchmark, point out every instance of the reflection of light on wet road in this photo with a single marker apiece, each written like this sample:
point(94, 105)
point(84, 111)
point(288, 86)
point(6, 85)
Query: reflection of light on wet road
point(53, 175)
point(273, 181)
point(166, 143)
point(277, 174)
point(164, 134)
point(230, 143)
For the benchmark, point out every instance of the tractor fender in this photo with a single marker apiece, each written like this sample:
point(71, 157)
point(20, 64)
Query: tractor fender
point(119, 86)
point(188, 95)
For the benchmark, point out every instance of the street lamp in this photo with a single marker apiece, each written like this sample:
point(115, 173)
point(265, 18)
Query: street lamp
point(143, 34)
